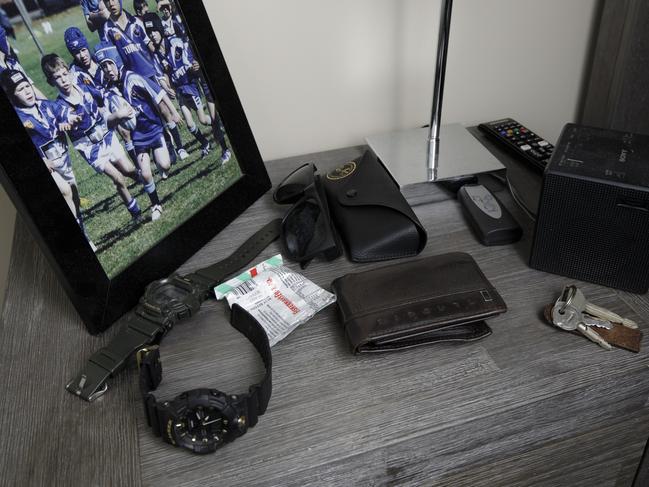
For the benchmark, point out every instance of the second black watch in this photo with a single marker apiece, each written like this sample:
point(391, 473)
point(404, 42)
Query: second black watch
point(165, 303)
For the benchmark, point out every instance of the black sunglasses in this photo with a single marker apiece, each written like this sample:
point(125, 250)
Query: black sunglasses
point(307, 230)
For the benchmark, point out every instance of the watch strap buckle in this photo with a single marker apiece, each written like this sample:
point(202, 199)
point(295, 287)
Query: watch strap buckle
point(90, 384)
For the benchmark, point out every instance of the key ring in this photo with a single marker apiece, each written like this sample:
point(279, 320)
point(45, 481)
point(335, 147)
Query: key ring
point(572, 291)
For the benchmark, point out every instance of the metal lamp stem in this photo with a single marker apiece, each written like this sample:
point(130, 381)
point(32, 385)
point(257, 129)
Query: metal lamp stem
point(416, 155)
point(438, 88)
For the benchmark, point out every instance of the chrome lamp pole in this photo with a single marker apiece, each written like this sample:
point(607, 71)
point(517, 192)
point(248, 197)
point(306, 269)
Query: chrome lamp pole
point(440, 151)
point(438, 88)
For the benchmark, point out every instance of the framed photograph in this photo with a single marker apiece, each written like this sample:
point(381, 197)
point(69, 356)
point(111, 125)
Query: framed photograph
point(125, 146)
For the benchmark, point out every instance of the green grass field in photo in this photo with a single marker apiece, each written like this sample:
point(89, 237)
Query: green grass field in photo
point(192, 183)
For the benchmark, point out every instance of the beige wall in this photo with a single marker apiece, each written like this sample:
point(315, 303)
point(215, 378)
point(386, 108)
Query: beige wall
point(316, 75)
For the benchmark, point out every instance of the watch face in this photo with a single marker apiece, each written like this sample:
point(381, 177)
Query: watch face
point(203, 428)
point(162, 292)
point(203, 419)
point(168, 292)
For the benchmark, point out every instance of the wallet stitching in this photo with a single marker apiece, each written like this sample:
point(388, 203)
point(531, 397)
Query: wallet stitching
point(498, 306)
point(365, 311)
point(467, 258)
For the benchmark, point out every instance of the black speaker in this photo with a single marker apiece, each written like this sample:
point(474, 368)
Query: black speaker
point(593, 217)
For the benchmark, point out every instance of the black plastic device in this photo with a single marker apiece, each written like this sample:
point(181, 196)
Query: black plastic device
point(490, 220)
point(520, 140)
point(593, 218)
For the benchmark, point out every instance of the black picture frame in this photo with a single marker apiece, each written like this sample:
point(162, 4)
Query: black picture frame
point(100, 300)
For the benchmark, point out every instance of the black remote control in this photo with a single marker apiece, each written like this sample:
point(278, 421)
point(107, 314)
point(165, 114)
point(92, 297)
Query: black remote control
point(490, 220)
point(520, 140)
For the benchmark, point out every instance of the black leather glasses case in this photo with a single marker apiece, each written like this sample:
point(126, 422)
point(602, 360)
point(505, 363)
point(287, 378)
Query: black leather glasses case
point(440, 298)
point(374, 219)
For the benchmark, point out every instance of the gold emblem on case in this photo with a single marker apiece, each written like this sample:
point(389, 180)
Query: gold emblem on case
point(342, 172)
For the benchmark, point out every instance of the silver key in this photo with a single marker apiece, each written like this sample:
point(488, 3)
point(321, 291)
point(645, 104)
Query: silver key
point(573, 296)
point(568, 318)
point(593, 336)
point(596, 322)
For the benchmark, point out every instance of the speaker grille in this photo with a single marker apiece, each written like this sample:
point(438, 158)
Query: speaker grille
point(594, 232)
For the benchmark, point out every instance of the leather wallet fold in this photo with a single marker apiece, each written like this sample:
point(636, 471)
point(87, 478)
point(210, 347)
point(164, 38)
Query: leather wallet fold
point(440, 298)
point(374, 219)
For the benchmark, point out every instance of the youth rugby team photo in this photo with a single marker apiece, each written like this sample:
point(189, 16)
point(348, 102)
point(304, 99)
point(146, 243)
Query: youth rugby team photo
point(117, 105)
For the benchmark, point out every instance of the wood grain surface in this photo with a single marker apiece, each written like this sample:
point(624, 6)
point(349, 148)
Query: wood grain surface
point(530, 405)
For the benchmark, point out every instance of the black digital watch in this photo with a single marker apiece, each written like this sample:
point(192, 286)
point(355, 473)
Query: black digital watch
point(165, 303)
point(203, 420)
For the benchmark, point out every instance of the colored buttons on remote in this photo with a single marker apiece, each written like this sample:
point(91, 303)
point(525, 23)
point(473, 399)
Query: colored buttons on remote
point(529, 146)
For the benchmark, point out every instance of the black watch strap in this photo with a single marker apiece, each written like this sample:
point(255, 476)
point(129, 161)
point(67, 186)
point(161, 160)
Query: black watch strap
point(141, 328)
point(108, 361)
point(250, 249)
point(258, 396)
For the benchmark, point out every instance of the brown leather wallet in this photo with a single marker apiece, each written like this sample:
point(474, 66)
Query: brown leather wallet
point(440, 298)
